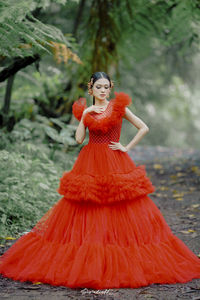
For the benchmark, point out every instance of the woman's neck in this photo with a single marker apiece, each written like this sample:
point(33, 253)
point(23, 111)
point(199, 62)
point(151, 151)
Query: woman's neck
point(101, 102)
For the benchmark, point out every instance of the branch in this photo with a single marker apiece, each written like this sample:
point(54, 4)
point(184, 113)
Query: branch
point(17, 65)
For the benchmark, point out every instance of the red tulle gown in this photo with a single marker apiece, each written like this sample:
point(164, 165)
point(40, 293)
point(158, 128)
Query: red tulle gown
point(105, 232)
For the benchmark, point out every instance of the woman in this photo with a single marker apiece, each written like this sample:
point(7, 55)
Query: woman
point(105, 232)
point(100, 91)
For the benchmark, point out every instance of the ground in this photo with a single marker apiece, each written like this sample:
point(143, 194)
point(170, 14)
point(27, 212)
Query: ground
point(176, 175)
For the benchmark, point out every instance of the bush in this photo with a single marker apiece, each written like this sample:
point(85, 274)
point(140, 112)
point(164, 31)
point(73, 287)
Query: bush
point(28, 189)
point(29, 179)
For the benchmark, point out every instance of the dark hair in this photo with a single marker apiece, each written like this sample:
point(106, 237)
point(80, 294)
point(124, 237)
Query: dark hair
point(97, 75)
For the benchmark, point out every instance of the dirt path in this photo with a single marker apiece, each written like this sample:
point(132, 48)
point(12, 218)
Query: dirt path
point(176, 175)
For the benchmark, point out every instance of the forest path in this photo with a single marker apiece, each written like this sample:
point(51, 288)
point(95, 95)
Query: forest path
point(176, 175)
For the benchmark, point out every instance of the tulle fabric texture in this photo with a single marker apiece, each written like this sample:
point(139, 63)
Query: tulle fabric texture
point(105, 231)
point(101, 246)
point(105, 176)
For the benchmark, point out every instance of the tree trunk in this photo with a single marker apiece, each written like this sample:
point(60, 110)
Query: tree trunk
point(8, 94)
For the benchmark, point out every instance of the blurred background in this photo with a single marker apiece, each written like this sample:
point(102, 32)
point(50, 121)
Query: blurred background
point(48, 51)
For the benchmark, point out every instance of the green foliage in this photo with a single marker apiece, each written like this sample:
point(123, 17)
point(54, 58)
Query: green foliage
point(42, 131)
point(22, 34)
point(50, 96)
point(169, 24)
point(40, 93)
point(29, 176)
point(135, 33)
point(28, 187)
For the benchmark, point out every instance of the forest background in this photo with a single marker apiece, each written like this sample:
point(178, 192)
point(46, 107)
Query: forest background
point(48, 51)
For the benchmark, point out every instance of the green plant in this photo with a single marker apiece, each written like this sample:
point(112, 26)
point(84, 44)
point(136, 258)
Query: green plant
point(28, 187)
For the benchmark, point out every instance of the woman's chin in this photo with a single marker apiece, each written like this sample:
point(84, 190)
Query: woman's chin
point(100, 98)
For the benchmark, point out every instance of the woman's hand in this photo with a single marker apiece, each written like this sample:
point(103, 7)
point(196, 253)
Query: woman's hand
point(117, 146)
point(95, 108)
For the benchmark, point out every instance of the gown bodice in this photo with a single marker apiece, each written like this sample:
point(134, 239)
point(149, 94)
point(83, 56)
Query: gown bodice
point(105, 126)
point(113, 134)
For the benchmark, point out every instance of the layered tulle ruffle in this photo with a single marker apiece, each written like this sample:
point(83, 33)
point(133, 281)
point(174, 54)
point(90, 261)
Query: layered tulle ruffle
point(78, 108)
point(102, 247)
point(106, 189)
point(104, 176)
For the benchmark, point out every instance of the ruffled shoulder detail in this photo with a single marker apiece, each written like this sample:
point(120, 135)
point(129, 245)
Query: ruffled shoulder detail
point(78, 108)
point(118, 104)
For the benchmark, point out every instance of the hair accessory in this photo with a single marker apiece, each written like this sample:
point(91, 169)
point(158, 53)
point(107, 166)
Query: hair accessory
point(90, 85)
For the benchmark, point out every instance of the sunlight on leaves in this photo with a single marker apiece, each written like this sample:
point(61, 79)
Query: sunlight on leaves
point(191, 216)
point(195, 169)
point(195, 205)
point(177, 168)
point(157, 166)
point(179, 174)
point(164, 188)
point(187, 231)
point(177, 194)
point(10, 238)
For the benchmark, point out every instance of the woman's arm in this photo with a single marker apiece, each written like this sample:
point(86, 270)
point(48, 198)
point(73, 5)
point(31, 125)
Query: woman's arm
point(81, 131)
point(139, 124)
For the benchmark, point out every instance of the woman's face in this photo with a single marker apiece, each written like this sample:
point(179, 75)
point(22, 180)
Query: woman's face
point(101, 88)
